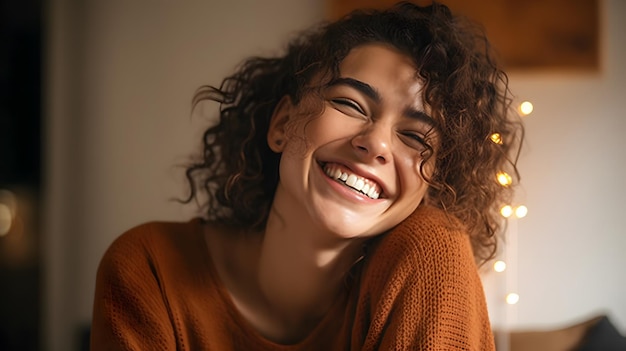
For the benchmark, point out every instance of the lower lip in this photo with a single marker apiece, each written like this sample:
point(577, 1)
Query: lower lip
point(345, 190)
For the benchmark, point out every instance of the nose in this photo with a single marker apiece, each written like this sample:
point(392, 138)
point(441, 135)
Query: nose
point(373, 144)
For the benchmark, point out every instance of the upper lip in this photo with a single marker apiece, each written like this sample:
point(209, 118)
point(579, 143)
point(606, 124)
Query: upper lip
point(361, 172)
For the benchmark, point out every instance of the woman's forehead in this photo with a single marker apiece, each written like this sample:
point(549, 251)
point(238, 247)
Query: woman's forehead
point(379, 55)
point(388, 71)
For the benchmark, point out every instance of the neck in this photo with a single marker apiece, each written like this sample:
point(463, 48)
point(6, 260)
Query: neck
point(302, 268)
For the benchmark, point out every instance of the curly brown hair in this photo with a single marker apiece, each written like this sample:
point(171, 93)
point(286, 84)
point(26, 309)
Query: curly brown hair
point(464, 87)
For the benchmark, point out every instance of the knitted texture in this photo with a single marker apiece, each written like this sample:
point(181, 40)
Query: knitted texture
point(417, 289)
point(421, 290)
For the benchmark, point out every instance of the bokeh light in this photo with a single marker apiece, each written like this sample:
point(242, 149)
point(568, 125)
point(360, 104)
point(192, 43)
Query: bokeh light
point(6, 219)
point(496, 138)
point(504, 179)
point(512, 298)
point(526, 108)
point(499, 266)
point(521, 211)
point(8, 208)
point(506, 211)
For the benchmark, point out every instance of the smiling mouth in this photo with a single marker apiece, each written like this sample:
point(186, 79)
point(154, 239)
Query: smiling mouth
point(344, 176)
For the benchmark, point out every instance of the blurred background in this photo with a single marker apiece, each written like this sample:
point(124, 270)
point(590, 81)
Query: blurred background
point(95, 122)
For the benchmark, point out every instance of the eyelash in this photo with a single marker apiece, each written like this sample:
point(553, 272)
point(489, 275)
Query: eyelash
point(349, 103)
point(416, 137)
point(353, 105)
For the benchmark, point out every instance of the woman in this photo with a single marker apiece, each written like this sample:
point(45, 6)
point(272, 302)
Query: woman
point(349, 192)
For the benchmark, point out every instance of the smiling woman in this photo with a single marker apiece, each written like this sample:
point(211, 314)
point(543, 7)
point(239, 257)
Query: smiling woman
point(351, 192)
point(365, 131)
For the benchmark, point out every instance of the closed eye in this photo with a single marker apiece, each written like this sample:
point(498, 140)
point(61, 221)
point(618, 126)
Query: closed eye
point(415, 140)
point(348, 103)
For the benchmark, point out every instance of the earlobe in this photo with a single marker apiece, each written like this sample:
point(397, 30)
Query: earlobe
point(276, 133)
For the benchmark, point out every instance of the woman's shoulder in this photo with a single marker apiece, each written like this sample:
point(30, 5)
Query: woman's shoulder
point(168, 254)
point(420, 287)
point(158, 246)
point(158, 234)
point(428, 241)
point(427, 229)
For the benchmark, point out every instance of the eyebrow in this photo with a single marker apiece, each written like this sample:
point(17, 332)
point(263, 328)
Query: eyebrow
point(420, 116)
point(373, 94)
point(358, 85)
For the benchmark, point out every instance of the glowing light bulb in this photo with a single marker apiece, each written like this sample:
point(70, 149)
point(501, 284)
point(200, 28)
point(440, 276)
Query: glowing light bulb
point(499, 266)
point(5, 219)
point(496, 138)
point(8, 198)
point(512, 298)
point(504, 179)
point(526, 108)
point(521, 211)
point(506, 211)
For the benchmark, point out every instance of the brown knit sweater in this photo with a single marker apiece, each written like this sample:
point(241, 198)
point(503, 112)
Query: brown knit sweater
point(417, 289)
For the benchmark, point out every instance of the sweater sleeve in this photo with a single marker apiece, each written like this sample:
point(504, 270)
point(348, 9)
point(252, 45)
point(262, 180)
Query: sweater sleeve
point(421, 290)
point(129, 310)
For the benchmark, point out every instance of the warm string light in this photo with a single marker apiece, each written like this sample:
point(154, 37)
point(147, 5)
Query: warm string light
point(507, 211)
point(7, 211)
point(496, 138)
point(5, 219)
point(499, 266)
point(504, 179)
point(526, 108)
point(521, 211)
point(512, 298)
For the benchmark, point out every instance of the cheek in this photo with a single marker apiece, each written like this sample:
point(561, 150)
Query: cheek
point(315, 132)
point(412, 178)
point(296, 143)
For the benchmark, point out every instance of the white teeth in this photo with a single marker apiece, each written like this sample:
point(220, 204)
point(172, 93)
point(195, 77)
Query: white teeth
point(359, 184)
point(353, 181)
point(372, 192)
point(365, 188)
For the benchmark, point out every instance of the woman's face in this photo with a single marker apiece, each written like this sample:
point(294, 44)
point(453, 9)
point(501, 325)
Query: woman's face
point(354, 169)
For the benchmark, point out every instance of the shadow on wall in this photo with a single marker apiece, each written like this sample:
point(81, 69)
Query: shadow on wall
point(20, 121)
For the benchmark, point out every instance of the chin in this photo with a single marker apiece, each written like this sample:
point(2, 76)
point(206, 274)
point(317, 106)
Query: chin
point(350, 230)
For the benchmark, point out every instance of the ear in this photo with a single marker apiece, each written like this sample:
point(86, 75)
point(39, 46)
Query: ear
point(276, 134)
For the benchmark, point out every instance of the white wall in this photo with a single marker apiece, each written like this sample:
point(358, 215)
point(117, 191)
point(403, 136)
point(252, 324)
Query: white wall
point(121, 76)
point(572, 243)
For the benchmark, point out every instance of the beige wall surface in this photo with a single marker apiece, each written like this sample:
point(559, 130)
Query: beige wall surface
point(121, 78)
